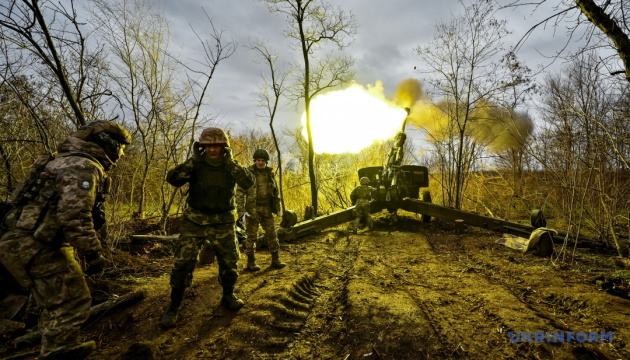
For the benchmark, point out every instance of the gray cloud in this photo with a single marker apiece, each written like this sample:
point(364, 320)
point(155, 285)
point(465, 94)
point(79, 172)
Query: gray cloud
point(388, 32)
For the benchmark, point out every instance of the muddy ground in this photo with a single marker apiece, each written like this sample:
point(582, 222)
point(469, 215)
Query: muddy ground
point(410, 291)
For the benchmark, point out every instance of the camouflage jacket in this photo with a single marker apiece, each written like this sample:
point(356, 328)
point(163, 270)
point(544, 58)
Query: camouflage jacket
point(211, 198)
point(68, 188)
point(246, 198)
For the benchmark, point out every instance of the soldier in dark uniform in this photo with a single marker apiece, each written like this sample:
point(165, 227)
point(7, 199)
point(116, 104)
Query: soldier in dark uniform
point(259, 204)
point(50, 222)
point(210, 216)
point(361, 197)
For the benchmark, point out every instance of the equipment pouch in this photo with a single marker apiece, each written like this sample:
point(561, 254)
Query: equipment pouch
point(16, 252)
point(29, 217)
point(46, 231)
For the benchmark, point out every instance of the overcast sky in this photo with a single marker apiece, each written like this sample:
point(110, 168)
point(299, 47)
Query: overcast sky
point(388, 33)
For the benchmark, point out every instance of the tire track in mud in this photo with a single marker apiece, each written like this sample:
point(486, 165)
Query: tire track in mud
point(381, 295)
point(563, 312)
point(382, 319)
point(461, 313)
point(408, 329)
point(325, 330)
point(285, 310)
point(539, 310)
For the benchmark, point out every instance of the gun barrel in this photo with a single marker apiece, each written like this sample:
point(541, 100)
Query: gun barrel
point(404, 124)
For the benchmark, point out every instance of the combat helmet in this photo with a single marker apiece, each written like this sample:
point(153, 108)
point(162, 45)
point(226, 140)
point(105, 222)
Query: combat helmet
point(106, 134)
point(214, 135)
point(261, 154)
point(364, 180)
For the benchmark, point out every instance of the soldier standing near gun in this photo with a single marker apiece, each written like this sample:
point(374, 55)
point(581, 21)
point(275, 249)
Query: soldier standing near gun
point(260, 203)
point(361, 197)
point(212, 175)
point(51, 216)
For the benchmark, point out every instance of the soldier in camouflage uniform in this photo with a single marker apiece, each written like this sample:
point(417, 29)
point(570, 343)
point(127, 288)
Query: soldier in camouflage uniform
point(210, 216)
point(259, 204)
point(49, 221)
point(361, 197)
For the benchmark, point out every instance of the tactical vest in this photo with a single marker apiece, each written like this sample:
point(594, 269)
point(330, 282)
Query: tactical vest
point(263, 188)
point(211, 189)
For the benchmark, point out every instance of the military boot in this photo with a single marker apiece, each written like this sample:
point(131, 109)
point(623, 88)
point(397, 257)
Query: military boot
point(229, 300)
point(251, 262)
point(170, 316)
point(77, 352)
point(275, 260)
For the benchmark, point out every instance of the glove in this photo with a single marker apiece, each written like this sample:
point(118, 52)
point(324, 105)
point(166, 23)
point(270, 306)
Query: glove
point(230, 163)
point(95, 262)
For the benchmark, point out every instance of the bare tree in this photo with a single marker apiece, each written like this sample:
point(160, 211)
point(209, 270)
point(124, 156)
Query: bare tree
point(29, 126)
point(50, 37)
point(271, 90)
point(610, 17)
point(138, 37)
point(215, 50)
point(51, 80)
point(472, 70)
point(586, 130)
point(313, 24)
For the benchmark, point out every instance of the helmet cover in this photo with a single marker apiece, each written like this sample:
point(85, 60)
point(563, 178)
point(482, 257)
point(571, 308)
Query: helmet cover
point(214, 135)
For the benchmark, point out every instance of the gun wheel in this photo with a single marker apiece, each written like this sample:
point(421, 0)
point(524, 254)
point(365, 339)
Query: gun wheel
point(537, 219)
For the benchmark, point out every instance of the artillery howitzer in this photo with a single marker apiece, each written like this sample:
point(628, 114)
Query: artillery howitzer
point(398, 187)
point(394, 181)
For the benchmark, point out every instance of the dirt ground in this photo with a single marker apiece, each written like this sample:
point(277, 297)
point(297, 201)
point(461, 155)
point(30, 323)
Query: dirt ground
point(409, 291)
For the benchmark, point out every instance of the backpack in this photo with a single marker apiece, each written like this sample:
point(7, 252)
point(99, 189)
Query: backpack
point(27, 188)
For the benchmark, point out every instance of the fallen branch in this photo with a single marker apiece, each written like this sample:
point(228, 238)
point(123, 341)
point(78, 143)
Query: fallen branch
point(96, 313)
point(142, 239)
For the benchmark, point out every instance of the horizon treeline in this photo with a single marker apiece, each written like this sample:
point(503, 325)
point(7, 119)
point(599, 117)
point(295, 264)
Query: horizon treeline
point(567, 154)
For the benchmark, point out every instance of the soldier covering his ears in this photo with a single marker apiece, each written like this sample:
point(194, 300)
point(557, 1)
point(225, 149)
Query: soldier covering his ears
point(210, 217)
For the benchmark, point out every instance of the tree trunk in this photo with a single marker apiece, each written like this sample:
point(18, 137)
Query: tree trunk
point(610, 28)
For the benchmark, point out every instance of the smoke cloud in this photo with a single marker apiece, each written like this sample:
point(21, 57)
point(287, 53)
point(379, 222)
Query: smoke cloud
point(500, 129)
point(407, 93)
point(497, 128)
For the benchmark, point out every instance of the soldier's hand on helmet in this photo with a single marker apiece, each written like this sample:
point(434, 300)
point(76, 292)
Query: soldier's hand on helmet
point(197, 152)
point(95, 262)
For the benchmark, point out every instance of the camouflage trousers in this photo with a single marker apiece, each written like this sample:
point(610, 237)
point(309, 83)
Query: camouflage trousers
point(362, 209)
point(57, 285)
point(262, 216)
point(222, 240)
